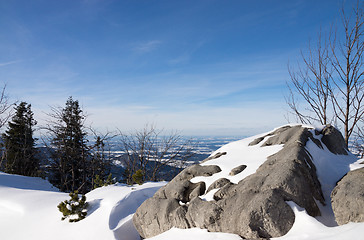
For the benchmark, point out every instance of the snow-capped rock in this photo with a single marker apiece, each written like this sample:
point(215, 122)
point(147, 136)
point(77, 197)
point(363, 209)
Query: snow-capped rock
point(273, 168)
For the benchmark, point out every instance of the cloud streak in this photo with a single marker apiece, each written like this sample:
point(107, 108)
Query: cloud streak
point(147, 46)
point(3, 64)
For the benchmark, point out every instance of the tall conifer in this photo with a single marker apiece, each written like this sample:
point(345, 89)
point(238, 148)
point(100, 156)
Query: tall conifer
point(71, 155)
point(19, 143)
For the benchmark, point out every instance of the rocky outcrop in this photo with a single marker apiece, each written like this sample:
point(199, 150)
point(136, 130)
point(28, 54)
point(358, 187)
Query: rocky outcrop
point(334, 141)
point(255, 207)
point(347, 198)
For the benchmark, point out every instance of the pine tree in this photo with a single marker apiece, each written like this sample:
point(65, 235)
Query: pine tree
point(71, 155)
point(19, 143)
point(99, 182)
point(74, 209)
point(138, 177)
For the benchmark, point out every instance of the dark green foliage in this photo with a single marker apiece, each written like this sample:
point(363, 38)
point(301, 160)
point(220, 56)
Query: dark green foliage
point(74, 209)
point(109, 180)
point(19, 150)
point(138, 177)
point(98, 182)
point(76, 162)
point(71, 155)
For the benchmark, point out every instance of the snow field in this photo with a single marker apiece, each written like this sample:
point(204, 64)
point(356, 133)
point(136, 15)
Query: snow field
point(33, 214)
point(28, 206)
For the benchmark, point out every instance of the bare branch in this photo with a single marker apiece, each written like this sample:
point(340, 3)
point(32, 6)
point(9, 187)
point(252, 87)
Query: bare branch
point(5, 107)
point(152, 151)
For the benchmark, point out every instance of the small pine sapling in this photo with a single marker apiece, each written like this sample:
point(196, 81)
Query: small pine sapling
point(109, 180)
point(98, 182)
point(138, 177)
point(74, 209)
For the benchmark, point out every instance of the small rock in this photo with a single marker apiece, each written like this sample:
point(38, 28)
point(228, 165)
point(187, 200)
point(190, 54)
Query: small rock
point(219, 183)
point(334, 141)
point(237, 170)
point(217, 155)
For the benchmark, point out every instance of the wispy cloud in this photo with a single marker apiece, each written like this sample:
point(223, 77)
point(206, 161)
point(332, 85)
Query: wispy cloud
point(147, 46)
point(180, 59)
point(3, 64)
point(187, 54)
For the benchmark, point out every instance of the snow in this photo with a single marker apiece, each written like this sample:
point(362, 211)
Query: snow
point(356, 165)
point(28, 210)
point(309, 228)
point(237, 153)
point(330, 168)
point(28, 206)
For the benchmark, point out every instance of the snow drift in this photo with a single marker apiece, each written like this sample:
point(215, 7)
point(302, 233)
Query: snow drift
point(28, 210)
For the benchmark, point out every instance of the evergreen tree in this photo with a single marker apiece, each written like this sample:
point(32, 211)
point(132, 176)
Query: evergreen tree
point(71, 155)
point(74, 209)
point(19, 143)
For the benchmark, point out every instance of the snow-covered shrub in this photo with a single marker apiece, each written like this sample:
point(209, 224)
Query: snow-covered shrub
point(74, 209)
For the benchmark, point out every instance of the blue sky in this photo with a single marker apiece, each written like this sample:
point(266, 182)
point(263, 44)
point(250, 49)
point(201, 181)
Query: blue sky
point(200, 67)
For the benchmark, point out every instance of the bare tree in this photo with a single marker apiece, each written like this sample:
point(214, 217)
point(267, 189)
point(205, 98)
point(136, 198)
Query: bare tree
point(5, 107)
point(347, 60)
point(331, 83)
point(357, 147)
point(312, 82)
point(151, 152)
point(100, 152)
point(5, 115)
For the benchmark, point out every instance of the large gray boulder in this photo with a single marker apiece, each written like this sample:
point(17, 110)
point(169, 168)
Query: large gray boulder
point(347, 198)
point(256, 207)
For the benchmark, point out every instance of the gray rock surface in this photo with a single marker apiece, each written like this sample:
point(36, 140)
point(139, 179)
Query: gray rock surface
point(219, 183)
point(256, 207)
point(347, 198)
point(334, 140)
point(217, 155)
point(237, 170)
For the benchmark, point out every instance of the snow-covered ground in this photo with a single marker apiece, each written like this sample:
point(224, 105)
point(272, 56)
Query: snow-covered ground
point(28, 206)
point(28, 210)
